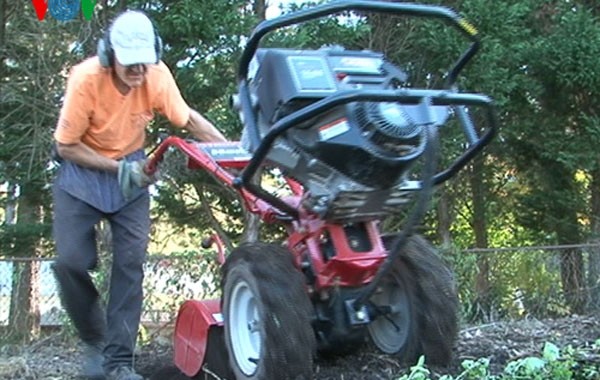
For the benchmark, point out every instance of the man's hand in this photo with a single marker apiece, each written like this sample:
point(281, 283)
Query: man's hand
point(132, 176)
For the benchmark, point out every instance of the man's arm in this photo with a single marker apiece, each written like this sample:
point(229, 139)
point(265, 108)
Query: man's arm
point(203, 129)
point(83, 155)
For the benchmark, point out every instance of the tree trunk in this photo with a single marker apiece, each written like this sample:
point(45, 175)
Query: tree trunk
point(260, 9)
point(572, 278)
point(3, 20)
point(24, 316)
point(252, 221)
point(11, 204)
point(593, 280)
point(482, 281)
point(3, 23)
point(251, 227)
point(564, 220)
point(444, 218)
point(122, 5)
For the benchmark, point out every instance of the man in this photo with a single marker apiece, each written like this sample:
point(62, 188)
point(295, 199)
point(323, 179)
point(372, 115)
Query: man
point(109, 101)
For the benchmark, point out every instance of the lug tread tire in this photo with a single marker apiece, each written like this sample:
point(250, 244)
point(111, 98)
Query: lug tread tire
point(433, 295)
point(288, 342)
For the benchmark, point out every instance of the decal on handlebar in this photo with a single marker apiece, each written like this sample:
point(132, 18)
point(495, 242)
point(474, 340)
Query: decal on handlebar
point(336, 128)
point(467, 27)
point(229, 151)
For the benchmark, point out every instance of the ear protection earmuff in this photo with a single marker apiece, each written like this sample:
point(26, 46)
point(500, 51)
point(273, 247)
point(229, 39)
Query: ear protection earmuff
point(104, 50)
point(106, 54)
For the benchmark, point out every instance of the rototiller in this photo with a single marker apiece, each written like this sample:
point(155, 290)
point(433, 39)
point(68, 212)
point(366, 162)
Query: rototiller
point(355, 144)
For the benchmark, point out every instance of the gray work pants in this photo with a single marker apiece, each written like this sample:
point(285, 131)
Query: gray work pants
point(74, 233)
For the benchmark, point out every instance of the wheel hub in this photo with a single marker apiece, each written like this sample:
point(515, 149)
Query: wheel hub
point(245, 328)
point(390, 331)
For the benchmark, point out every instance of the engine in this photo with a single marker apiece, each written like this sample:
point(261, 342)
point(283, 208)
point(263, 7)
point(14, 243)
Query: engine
point(353, 159)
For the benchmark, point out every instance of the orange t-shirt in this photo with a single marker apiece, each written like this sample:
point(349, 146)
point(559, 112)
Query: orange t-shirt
point(96, 113)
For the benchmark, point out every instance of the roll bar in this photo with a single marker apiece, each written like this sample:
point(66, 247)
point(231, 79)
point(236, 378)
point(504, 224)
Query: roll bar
point(449, 97)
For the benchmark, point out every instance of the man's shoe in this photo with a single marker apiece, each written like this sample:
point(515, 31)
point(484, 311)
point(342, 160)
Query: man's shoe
point(93, 359)
point(124, 373)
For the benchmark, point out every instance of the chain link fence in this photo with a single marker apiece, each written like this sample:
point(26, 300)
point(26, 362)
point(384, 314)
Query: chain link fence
point(516, 282)
point(168, 282)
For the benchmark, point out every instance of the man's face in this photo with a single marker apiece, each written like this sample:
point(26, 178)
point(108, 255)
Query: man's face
point(133, 75)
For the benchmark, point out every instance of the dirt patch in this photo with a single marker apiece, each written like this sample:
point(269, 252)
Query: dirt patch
point(53, 358)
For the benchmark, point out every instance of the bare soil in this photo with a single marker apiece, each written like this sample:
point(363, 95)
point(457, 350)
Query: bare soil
point(57, 358)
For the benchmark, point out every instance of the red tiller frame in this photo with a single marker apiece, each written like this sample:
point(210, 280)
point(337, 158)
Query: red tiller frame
point(347, 268)
point(199, 158)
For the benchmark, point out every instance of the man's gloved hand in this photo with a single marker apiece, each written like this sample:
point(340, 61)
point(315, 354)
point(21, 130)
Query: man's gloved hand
point(132, 177)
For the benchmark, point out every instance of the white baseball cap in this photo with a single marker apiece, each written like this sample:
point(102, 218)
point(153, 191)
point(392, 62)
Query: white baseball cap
point(133, 40)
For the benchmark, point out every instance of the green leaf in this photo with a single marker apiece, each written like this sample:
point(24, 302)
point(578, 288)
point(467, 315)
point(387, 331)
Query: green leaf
point(533, 365)
point(551, 352)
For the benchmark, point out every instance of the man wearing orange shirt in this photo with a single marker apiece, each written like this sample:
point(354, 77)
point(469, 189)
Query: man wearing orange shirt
point(109, 101)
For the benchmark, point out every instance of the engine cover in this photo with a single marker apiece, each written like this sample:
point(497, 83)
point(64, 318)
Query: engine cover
point(287, 80)
point(352, 159)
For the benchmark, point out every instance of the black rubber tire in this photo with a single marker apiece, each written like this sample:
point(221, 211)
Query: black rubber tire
point(287, 340)
point(431, 302)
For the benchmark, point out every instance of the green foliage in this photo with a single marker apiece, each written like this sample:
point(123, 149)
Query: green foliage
point(523, 283)
point(192, 200)
point(560, 63)
point(551, 365)
point(179, 277)
point(418, 371)
point(15, 237)
point(347, 30)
